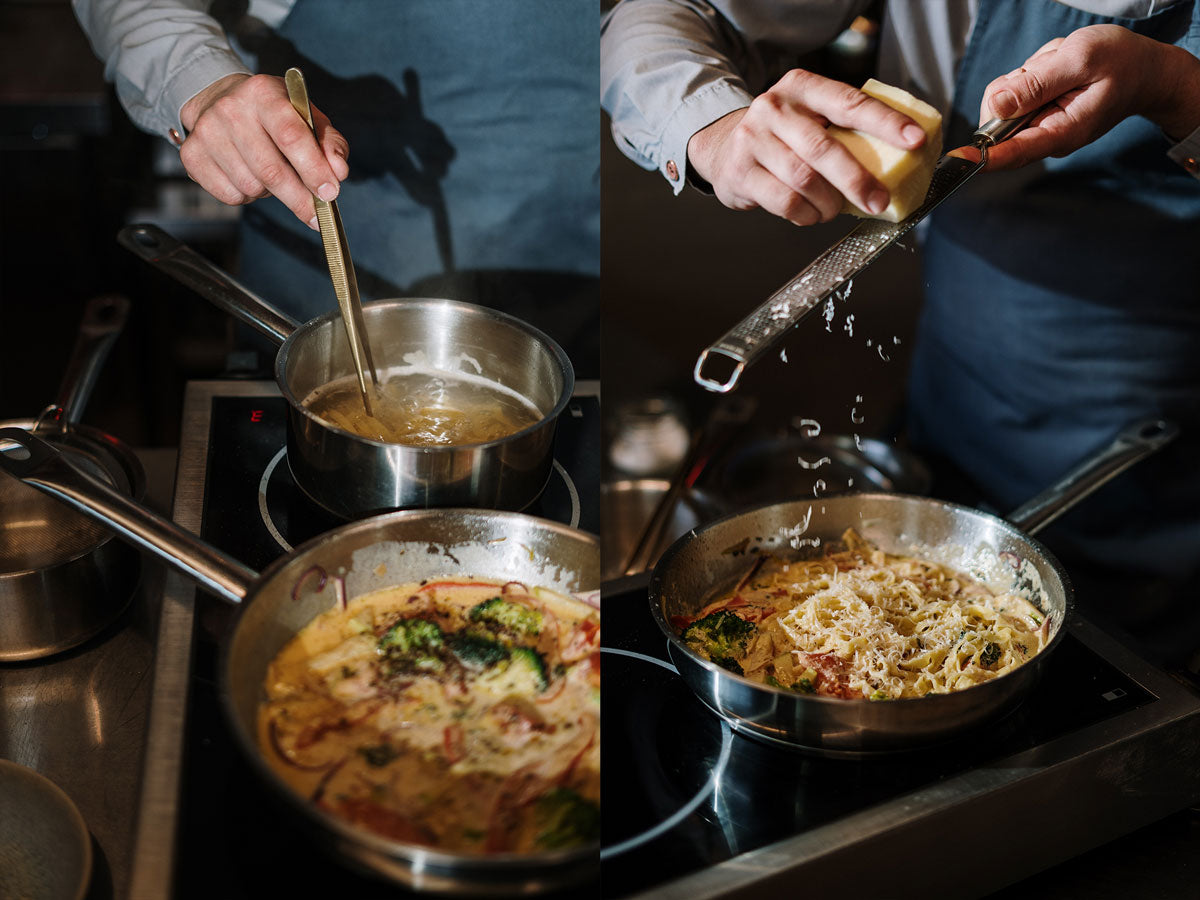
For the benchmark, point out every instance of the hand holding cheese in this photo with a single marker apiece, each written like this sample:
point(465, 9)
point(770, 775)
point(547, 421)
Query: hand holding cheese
point(778, 154)
point(905, 173)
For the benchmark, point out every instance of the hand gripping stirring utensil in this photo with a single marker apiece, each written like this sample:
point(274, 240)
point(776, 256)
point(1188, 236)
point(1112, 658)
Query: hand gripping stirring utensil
point(754, 335)
point(337, 254)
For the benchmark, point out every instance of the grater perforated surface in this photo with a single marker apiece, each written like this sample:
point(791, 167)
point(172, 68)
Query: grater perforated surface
point(755, 334)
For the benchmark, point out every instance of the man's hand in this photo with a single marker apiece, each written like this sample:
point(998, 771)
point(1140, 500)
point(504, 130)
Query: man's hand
point(1092, 79)
point(775, 153)
point(246, 140)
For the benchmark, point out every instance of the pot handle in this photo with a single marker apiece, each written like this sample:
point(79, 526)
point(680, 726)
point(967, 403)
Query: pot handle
point(174, 258)
point(1134, 443)
point(40, 465)
point(103, 320)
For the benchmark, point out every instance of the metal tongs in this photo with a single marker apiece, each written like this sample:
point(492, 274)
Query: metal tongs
point(337, 254)
point(755, 334)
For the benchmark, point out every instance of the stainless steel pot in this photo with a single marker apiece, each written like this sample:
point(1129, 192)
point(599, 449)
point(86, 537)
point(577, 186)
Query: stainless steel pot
point(350, 475)
point(62, 577)
point(713, 558)
point(372, 553)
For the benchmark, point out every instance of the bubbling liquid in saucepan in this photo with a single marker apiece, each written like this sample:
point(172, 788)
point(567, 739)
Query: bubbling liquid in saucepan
point(425, 408)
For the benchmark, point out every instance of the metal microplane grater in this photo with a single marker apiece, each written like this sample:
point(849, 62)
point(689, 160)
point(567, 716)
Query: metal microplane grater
point(755, 334)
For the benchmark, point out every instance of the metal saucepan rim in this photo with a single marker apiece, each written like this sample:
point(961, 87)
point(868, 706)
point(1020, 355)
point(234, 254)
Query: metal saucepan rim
point(677, 643)
point(312, 325)
point(111, 449)
point(363, 837)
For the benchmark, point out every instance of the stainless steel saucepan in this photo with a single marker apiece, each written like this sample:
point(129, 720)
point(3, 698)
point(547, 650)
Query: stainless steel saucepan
point(372, 553)
point(350, 475)
point(711, 559)
point(62, 577)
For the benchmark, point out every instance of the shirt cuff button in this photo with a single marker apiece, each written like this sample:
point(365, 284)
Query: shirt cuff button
point(1191, 164)
point(672, 170)
point(176, 137)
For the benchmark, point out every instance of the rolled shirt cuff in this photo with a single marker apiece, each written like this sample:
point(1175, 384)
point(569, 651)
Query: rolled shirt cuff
point(191, 79)
point(1187, 153)
point(697, 111)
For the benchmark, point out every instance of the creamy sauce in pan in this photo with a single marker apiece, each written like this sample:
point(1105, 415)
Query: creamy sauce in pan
point(425, 408)
point(462, 715)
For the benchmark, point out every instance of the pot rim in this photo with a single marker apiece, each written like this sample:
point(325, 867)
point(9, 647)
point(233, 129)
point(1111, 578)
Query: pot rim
point(564, 365)
point(113, 450)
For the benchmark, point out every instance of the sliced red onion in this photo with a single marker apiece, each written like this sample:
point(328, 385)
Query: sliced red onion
point(273, 733)
point(321, 579)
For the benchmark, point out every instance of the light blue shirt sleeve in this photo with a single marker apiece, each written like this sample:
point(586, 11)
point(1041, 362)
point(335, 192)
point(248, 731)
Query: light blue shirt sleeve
point(668, 68)
point(158, 54)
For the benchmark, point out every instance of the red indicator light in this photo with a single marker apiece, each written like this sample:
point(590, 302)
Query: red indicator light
point(256, 415)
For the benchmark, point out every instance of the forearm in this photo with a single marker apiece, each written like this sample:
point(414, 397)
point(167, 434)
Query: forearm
point(159, 54)
point(1175, 108)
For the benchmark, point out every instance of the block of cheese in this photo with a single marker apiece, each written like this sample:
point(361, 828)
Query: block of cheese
point(905, 173)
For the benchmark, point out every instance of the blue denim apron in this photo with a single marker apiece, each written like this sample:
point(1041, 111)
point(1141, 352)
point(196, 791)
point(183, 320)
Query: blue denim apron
point(473, 143)
point(1063, 301)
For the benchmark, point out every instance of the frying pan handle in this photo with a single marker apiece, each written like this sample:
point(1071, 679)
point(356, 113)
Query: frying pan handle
point(103, 320)
point(176, 259)
point(40, 465)
point(1134, 443)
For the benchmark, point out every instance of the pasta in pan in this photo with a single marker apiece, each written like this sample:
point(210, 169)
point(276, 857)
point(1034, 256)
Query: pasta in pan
point(861, 623)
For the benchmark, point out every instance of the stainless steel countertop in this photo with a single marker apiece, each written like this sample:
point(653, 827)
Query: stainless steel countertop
point(80, 718)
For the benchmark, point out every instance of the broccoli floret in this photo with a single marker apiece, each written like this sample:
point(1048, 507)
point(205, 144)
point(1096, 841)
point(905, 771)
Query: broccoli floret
point(803, 686)
point(562, 818)
point(728, 662)
point(477, 651)
point(514, 617)
point(412, 634)
point(412, 646)
point(721, 636)
point(523, 674)
point(990, 655)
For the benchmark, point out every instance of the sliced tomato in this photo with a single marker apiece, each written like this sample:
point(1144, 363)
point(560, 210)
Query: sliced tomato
point(583, 639)
point(453, 743)
point(384, 821)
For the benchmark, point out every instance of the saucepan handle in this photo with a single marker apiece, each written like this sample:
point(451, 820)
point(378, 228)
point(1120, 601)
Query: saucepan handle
point(174, 258)
point(103, 320)
point(40, 465)
point(1134, 443)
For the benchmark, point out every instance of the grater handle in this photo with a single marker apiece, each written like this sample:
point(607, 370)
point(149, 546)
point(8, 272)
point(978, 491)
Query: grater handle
point(993, 131)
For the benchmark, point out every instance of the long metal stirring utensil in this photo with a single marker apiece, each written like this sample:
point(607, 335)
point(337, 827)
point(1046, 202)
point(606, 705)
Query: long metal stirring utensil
point(754, 335)
point(337, 254)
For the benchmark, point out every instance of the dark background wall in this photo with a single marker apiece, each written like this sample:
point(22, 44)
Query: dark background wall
point(74, 171)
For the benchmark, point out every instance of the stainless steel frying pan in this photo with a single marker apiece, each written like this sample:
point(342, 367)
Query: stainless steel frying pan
point(713, 558)
point(369, 554)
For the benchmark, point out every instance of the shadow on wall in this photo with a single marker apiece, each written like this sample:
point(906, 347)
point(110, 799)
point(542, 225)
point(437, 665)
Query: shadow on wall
point(678, 272)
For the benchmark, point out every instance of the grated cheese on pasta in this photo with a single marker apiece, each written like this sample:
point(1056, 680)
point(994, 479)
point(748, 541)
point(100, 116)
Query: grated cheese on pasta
point(862, 623)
